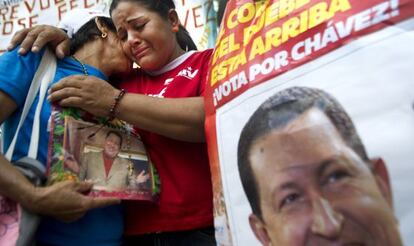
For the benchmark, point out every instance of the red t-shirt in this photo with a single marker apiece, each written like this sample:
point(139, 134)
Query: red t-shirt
point(186, 200)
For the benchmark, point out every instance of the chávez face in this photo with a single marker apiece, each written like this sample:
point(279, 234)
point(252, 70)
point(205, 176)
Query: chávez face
point(315, 190)
point(112, 145)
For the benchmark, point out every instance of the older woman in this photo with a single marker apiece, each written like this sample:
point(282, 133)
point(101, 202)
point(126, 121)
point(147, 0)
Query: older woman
point(95, 51)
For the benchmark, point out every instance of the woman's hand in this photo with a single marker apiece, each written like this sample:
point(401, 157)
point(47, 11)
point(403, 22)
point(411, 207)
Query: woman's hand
point(35, 38)
point(89, 93)
point(66, 200)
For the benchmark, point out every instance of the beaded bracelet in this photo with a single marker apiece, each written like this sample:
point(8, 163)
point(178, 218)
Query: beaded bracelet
point(112, 111)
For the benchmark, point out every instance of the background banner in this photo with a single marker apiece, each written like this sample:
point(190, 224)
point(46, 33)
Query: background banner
point(197, 16)
point(360, 53)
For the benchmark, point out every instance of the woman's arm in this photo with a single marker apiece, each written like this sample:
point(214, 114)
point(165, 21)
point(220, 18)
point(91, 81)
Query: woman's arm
point(177, 118)
point(64, 200)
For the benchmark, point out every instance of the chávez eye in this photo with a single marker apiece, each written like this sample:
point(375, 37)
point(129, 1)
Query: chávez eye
point(336, 176)
point(289, 199)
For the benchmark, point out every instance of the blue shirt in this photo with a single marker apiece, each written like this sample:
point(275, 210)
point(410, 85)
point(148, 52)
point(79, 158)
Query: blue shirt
point(99, 226)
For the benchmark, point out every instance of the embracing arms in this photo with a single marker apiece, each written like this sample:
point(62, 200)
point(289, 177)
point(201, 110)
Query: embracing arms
point(177, 118)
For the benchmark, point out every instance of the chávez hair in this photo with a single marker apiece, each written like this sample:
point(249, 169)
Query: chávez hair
point(116, 134)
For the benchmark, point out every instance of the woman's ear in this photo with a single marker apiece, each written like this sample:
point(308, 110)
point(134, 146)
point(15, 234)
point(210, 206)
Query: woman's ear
point(101, 27)
point(174, 20)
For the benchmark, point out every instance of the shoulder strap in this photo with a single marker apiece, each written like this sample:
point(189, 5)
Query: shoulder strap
point(43, 76)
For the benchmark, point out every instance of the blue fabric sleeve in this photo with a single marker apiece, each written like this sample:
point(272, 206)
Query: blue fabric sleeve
point(16, 73)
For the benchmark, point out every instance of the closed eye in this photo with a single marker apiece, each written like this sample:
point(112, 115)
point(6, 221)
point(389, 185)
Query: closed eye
point(139, 27)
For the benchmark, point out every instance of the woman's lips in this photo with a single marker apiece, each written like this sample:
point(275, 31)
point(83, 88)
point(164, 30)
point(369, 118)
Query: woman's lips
point(140, 52)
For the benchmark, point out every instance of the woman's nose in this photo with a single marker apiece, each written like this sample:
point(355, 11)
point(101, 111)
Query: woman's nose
point(133, 38)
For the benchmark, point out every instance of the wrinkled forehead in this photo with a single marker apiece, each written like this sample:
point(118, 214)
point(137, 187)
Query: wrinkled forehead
point(126, 11)
point(310, 138)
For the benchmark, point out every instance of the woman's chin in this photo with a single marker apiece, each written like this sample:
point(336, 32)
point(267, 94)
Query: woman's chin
point(149, 67)
point(147, 64)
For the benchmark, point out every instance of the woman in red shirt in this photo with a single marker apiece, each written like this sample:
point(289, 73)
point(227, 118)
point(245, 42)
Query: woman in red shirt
point(164, 101)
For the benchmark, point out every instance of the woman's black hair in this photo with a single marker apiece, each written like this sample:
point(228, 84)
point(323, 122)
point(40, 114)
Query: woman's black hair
point(89, 32)
point(162, 7)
